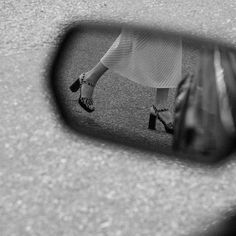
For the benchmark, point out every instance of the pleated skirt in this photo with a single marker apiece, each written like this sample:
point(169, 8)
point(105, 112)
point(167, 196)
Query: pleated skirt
point(148, 59)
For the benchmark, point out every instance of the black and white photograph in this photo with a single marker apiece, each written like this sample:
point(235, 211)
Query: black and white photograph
point(118, 118)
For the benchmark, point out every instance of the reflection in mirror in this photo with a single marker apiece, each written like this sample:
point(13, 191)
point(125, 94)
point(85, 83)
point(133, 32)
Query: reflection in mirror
point(147, 89)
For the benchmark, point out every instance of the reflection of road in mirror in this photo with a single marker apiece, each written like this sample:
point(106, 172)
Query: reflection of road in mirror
point(123, 95)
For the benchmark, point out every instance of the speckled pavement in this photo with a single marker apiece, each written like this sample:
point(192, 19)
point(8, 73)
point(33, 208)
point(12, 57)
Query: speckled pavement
point(54, 181)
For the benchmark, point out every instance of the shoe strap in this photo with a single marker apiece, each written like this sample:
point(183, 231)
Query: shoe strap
point(160, 110)
point(87, 101)
point(84, 81)
point(163, 110)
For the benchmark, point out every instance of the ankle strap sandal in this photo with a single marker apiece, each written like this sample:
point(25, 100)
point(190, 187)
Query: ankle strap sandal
point(169, 127)
point(85, 102)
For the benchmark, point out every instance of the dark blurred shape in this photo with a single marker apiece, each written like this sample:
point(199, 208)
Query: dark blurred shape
point(205, 109)
point(226, 228)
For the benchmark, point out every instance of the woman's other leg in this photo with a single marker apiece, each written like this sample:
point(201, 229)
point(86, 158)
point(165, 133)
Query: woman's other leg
point(160, 102)
point(159, 110)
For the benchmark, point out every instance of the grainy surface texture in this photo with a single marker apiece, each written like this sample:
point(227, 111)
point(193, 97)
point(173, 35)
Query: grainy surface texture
point(57, 182)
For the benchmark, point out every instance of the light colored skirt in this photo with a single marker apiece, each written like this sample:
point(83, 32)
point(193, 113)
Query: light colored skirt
point(148, 59)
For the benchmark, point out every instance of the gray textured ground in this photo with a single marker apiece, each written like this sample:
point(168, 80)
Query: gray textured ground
point(57, 182)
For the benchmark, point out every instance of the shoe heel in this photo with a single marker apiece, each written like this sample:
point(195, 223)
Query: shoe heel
point(75, 86)
point(152, 122)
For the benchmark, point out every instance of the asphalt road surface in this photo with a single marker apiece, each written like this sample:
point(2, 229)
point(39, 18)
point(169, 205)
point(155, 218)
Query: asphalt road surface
point(105, 174)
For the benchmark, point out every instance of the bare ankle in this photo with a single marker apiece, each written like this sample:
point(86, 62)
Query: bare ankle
point(90, 77)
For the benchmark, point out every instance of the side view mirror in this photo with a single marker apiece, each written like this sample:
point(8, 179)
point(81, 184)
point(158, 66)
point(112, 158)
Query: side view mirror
point(139, 69)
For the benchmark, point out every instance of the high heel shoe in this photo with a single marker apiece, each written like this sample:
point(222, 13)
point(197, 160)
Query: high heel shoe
point(85, 102)
point(154, 114)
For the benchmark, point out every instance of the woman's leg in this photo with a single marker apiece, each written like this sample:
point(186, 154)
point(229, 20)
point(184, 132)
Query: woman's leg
point(86, 83)
point(160, 102)
point(98, 70)
point(92, 76)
